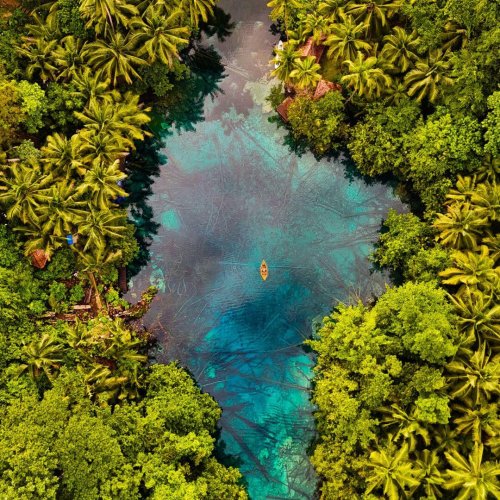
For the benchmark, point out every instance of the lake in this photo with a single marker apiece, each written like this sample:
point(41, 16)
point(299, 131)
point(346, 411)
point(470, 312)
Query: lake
point(230, 193)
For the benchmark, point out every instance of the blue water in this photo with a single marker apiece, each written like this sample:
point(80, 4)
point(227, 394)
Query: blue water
point(229, 195)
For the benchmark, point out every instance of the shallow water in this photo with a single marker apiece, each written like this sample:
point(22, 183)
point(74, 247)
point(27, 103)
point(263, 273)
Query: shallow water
point(229, 195)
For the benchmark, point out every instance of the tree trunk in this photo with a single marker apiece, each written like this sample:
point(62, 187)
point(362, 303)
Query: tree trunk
point(98, 301)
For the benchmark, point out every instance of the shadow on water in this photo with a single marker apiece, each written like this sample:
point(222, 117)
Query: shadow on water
point(180, 110)
point(219, 25)
point(142, 168)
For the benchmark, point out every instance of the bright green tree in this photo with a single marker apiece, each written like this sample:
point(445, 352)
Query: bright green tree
point(159, 37)
point(346, 38)
point(115, 57)
point(365, 78)
point(429, 77)
point(305, 74)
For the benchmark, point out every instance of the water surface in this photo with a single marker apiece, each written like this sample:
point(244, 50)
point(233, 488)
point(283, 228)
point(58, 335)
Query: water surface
point(229, 195)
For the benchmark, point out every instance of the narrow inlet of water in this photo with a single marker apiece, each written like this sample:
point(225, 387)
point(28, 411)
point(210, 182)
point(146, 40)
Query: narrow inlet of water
point(230, 194)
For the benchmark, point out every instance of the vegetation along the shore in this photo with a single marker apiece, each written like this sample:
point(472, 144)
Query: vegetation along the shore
point(83, 414)
point(407, 386)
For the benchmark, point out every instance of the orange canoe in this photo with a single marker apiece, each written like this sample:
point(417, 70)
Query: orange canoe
point(264, 271)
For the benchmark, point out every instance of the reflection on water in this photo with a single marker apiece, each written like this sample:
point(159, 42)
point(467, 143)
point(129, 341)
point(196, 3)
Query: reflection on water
point(230, 194)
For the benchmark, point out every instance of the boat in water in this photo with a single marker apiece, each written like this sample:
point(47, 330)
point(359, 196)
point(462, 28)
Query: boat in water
point(264, 270)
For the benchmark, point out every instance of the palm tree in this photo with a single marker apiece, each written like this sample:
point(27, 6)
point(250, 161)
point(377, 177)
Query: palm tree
point(102, 184)
point(373, 14)
point(108, 344)
point(90, 84)
point(130, 116)
point(427, 467)
point(40, 55)
point(197, 9)
point(106, 15)
point(38, 239)
point(477, 377)
point(487, 196)
point(117, 344)
point(115, 57)
point(298, 35)
point(428, 76)
point(478, 314)
point(317, 25)
point(280, 9)
point(365, 78)
point(100, 380)
point(121, 117)
point(285, 61)
point(346, 39)
point(474, 270)
point(46, 29)
point(408, 427)
point(391, 471)
point(68, 57)
point(100, 224)
point(96, 261)
point(101, 147)
point(159, 37)
point(489, 169)
point(396, 92)
point(43, 356)
point(22, 191)
point(454, 35)
point(331, 9)
point(446, 438)
point(475, 478)
point(63, 155)
point(461, 226)
point(477, 421)
point(463, 190)
point(59, 209)
point(306, 72)
point(400, 48)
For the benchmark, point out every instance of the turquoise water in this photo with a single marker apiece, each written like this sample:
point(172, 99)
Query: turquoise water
point(229, 195)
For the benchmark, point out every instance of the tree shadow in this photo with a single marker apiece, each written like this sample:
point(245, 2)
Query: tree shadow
point(141, 168)
point(219, 25)
point(183, 107)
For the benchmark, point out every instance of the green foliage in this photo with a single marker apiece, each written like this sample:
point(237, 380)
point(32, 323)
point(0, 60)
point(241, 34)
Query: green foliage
point(321, 123)
point(69, 20)
point(76, 294)
point(427, 263)
point(62, 102)
point(405, 235)
point(438, 148)
point(61, 266)
point(376, 143)
point(26, 151)
point(64, 444)
point(406, 389)
point(422, 318)
point(157, 77)
point(57, 296)
point(33, 105)
point(490, 124)
point(11, 112)
point(365, 358)
point(276, 95)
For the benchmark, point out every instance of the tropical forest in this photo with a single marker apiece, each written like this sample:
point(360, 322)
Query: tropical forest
point(249, 249)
